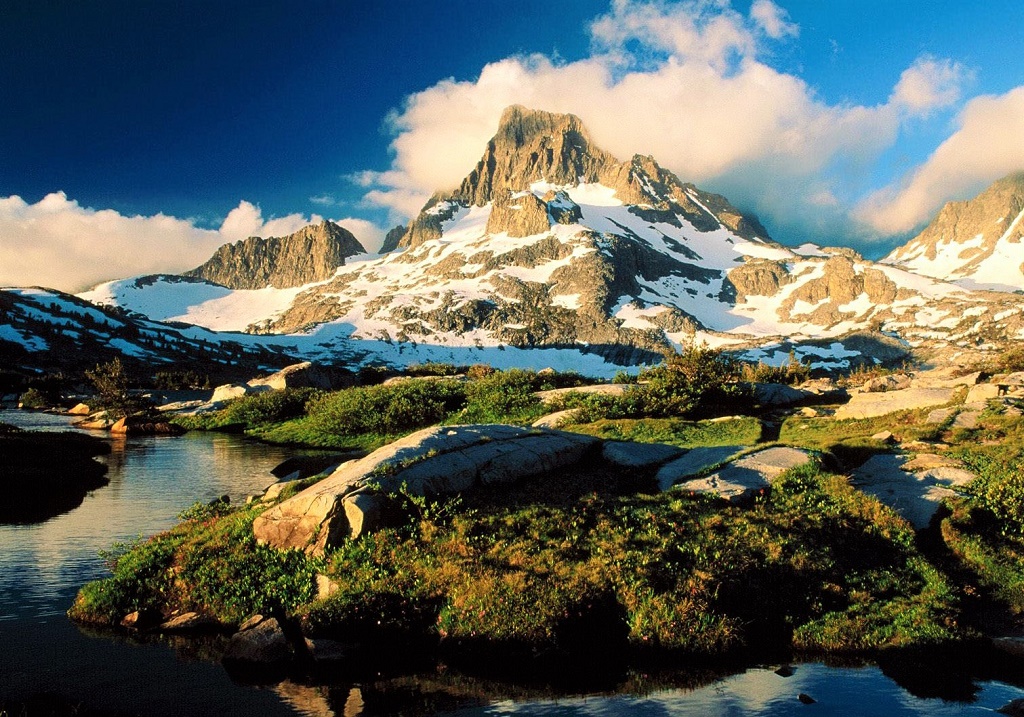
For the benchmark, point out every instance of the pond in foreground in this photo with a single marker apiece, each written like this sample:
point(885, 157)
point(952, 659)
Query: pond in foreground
point(153, 479)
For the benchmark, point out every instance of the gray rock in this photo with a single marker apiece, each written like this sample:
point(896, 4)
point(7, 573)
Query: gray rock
point(300, 375)
point(323, 650)
point(940, 415)
point(884, 437)
point(982, 392)
point(364, 513)
point(1014, 708)
point(325, 587)
point(742, 479)
point(693, 463)
point(556, 419)
point(870, 405)
point(435, 461)
point(604, 389)
point(626, 454)
point(189, 622)
point(141, 619)
point(779, 394)
point(229, 392)
point(263, 644)
point(915, 496)
point(967, 419)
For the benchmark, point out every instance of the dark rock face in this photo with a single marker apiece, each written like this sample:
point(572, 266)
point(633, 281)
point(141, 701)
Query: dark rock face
point(392, 238)
point(311, 254)
point(45, 474)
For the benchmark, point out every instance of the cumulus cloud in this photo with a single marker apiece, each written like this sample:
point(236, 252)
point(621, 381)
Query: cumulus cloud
point(988, 144)
point(929, 84)
point(773, 20)
point(60, 244)
point(685, 82)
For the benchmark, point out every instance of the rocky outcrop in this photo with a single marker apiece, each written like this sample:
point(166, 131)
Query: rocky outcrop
point(518, 215)
point(309, 255)
point(435, 461)
point(532, 146)
point(913, 491)
point(143, 425)
point(833, 296)
point(737, 480)
point(869, 405)
point(758, 277)
point(300, 375)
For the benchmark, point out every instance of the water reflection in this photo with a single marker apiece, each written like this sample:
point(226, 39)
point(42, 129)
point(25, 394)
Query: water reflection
point(152, 479)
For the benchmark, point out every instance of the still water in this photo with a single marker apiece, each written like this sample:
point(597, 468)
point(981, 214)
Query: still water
point(153, 479)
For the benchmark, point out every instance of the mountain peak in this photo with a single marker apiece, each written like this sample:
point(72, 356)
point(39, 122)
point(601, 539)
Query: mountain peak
point(531, 146)
point(979, 241)
point(311, 254)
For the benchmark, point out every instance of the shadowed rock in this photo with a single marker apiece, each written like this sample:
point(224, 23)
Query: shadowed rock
point(434, 461)
point(915, 496)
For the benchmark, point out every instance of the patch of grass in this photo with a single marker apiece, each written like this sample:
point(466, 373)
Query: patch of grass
point(213, 566)
point(850, 440)
point(668, 571)
point(742, 431)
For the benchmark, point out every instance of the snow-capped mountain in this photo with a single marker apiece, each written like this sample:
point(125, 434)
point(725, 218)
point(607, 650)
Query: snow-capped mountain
point(552, 246)
point(551, 243)
point(978, 243)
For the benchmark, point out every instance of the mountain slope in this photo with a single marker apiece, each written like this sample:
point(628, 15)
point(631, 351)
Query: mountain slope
point(551, 243)
point(311, 254)
point(977, 243)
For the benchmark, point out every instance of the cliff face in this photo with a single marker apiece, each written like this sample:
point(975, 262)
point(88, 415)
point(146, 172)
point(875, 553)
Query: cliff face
point(976, 242)
point(533, 146)
point(311, 254)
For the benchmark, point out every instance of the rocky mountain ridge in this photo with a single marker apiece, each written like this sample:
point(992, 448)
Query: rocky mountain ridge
point(311, 254)
point(978, 243)
point(551, 243)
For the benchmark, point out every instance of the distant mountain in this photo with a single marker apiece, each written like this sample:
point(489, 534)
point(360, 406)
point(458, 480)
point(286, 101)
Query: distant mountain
point(44, 330)
point(311, 254)
point(553, 245)
point(977, 243)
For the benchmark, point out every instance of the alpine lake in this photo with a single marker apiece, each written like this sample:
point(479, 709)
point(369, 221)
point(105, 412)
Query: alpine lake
point(48, 665)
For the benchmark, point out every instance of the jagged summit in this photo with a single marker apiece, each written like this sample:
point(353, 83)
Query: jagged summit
point(311, 254)
point(533, 147)
point(976, 242)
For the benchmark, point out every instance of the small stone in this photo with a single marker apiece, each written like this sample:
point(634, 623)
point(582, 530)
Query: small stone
point(141, 619)
point(189, 622)
point(325, 587)
point(940, 415)
point(265, 643)
point(806, 698)
point(251, 622)
point(884, 437)
point(808, 412)
point(981, 393)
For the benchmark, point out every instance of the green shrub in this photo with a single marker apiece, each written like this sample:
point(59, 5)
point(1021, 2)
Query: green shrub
point(34, 398)
point(502, 396)
point(387, 410)
point(212, 565)
point(256, 409)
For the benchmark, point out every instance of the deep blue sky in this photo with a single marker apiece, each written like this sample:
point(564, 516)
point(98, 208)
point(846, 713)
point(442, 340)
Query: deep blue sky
point(188, 108)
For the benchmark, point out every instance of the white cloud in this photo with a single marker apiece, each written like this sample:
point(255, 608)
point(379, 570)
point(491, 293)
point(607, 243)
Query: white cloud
point(369, 234)
point(60, 244)
point(246, 220)
point(685, 83)
point(929, 84)
point(988, 144)
point(773, 20)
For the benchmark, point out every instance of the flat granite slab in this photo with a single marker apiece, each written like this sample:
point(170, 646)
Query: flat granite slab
point(744, 478)
point(914, 495)
point(869, 405)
